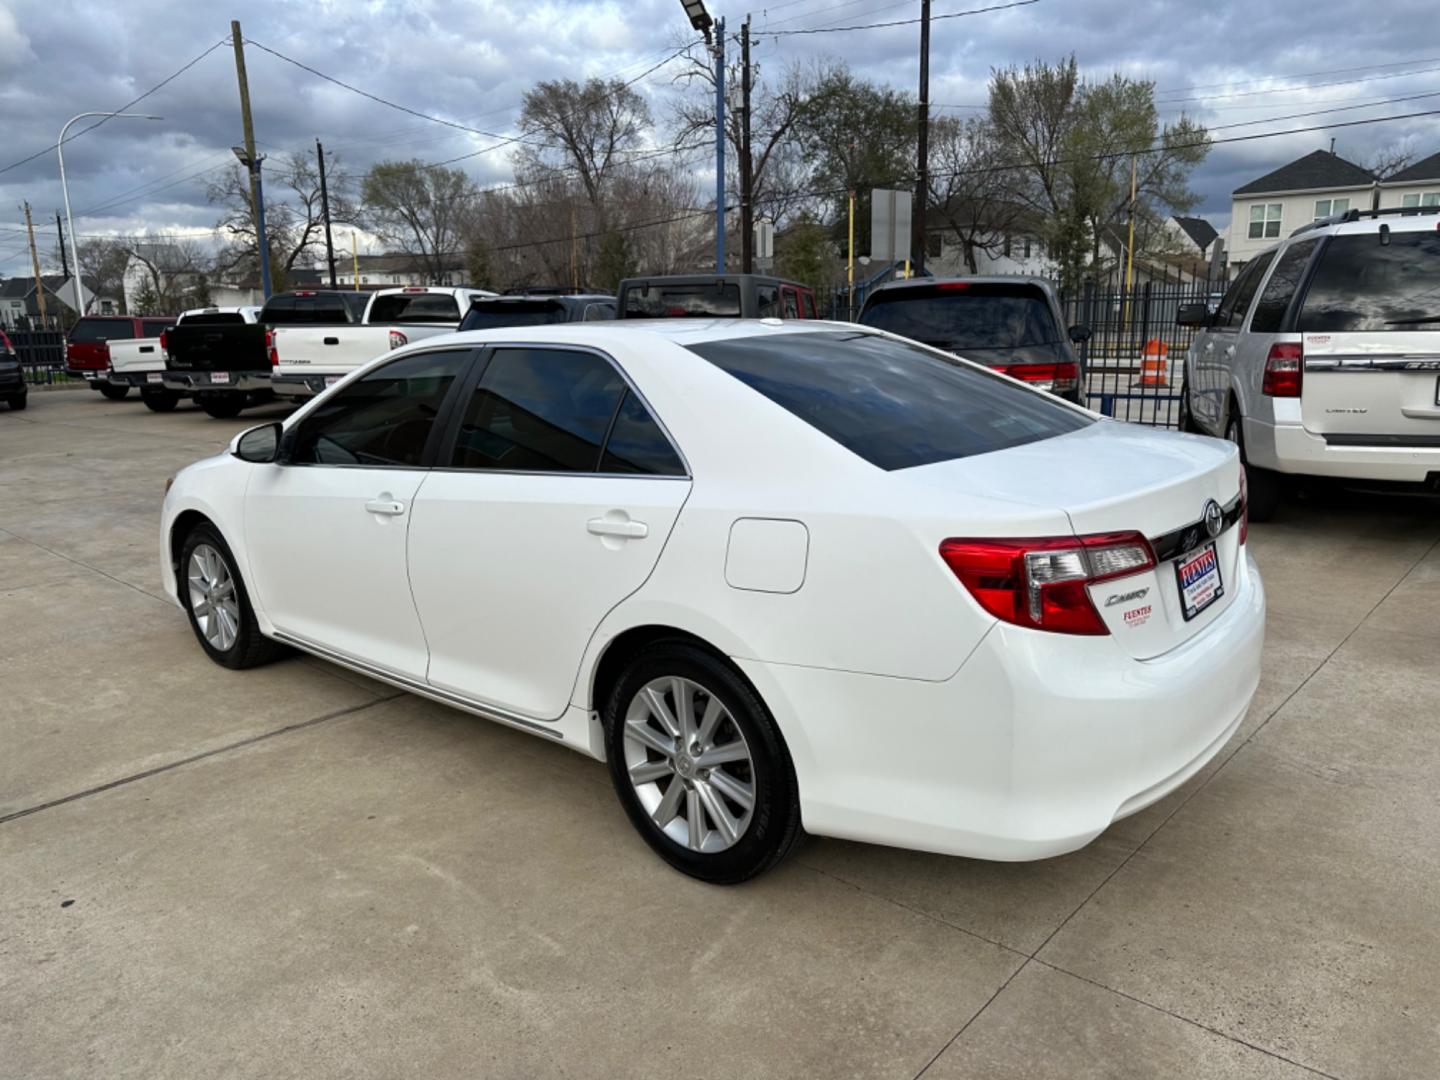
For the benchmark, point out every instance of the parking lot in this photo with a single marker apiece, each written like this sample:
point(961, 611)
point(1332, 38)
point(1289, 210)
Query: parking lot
point(295, 871)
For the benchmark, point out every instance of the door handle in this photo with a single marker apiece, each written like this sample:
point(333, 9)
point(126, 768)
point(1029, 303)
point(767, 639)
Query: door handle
point(385, 506)
point(631, 530)
point(1229, 350)
point(332, 341)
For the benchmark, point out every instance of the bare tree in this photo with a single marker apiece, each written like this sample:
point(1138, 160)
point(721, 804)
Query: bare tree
point(174, 273)
point(589, 130)
point(970, 190)
point(420, 210)
point(1389, 160)
point(102, 265)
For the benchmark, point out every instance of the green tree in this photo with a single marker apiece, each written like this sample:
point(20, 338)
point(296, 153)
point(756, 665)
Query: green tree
point(614, 261)
point(806, 252)
point(420, 210)
point(478, 271)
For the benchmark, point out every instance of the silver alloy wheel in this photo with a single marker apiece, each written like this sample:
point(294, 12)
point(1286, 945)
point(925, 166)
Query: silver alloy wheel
point(212, 597)
point(1232, 431)
point(689, 764)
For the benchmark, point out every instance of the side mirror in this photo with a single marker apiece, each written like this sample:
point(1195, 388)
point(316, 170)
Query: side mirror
point(260, 445)
point(1079, 334)
point(1192, 315)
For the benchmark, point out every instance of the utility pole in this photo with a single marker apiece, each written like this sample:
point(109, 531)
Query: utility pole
point(249, 160)
point(719, 146)
point(922, 192)
point(325, 212)
point(35, 266)
point(64, 259)
point(850, 259)
point(747, 176)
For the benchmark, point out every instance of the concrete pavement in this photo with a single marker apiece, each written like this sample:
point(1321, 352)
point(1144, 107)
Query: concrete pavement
point(295, 871)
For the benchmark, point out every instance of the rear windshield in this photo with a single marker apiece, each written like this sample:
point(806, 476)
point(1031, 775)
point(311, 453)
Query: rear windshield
point(214, 318)
point(415, 308)
point(88, 330)
point(963, 316)
point(662, 301)
point(315, 308)
point(894, 404)
point(1362, 285)
point(488, 315)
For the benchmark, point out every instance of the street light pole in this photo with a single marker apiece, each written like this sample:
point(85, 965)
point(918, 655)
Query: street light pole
point(262, 242)
point(80, 303)
point(719, 146)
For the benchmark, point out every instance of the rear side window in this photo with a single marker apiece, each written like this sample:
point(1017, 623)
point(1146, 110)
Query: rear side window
point(767, 299)
point(894, 404)
point(383, 419)
point(599, 312)
point(94, 330)
point(415, 308)
point(539, 410)
point(1280, 289)
point(1362, 285)
point(637, 445)
point(662, 301)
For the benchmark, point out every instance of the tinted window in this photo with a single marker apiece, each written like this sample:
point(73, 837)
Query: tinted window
point(382, 419)
point(415, 308)
point(155, 327)
point(637, 445)
point(1280, 289)
point(767, 301)
point(964, 316)
point(809, 302)
point(88, 330)
point(1361, 284)
point(539, 410)
point(792, 304)
point(487, 315)
point(894, 404)
point(1237, 298)
point(661, 301)
point(599, 312)
point(215, 318)
point(314, 308)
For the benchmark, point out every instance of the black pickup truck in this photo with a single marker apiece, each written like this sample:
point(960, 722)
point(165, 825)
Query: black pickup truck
point(221, 357)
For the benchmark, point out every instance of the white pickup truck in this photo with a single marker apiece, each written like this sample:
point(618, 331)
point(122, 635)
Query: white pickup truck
point(307, 359)
point(140, 362)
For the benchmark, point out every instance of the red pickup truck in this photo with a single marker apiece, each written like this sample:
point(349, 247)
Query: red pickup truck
point(87, 354)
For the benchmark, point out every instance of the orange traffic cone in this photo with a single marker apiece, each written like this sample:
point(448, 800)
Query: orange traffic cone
point(1152, 366)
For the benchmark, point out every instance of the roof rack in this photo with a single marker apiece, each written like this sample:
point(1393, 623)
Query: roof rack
point(1355, 215)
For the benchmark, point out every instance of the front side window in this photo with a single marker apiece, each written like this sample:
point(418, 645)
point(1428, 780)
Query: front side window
point(1361, 284)
point(539, 410)
point(1265, 221)
point(792, 304)
point(383, 419)
point(1280, 289)
point(1237, 300)
point(1419, 199)
point(891, 402)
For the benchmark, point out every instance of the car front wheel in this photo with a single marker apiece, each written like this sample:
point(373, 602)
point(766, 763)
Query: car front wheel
point(223, 406)
point(218, 604)
point(18, 401)
point(160, 400)
point(700, 766)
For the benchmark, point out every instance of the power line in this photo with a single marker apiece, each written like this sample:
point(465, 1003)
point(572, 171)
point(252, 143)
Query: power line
point(168, 79)
point(1298, 89)
point(1301, 75)
point(896, 22)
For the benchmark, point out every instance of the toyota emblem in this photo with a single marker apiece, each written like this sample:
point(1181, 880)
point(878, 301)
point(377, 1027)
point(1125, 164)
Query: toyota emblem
point(1213, 517)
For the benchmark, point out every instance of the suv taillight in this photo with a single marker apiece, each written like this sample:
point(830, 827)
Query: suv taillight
point(270, 350)
point(1057, 378)
point(1044, 584)
point(397, 339)
point(1284, 367)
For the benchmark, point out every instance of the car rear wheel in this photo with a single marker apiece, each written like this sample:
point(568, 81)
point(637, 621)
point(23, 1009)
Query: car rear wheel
point(1263, 487)
point(18, 401)
point(223, 407)
point(700, 766)
point(160, 400)
point(214, 597)
point(113, 392)
point(1187, 415)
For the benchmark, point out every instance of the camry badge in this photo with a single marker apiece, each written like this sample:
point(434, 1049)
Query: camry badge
point(1213, 517)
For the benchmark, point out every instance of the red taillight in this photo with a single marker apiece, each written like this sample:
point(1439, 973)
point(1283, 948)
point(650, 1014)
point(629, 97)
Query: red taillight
point(1244, 505)
point(270, 350)
point(1056, 377)
point(414, 288)
point(1284, 368)
point(952, 286)
point(397, 339)
point(1044, 583)
point(164, 341)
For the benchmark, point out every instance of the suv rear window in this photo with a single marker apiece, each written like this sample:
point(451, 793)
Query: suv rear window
point(679, 301)
point(894, 404)
point(962, 316)
point(490, 314)
point(89, 330)
point(1362, 285)
point(415, 308)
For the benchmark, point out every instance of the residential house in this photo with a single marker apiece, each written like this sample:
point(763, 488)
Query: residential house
point(1275, 205)
point(1418, 185)
point(18, 298)
point(1193, 235)
point(390, 269)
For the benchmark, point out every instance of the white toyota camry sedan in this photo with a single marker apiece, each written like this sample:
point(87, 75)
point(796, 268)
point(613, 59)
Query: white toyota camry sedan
point(782, 577)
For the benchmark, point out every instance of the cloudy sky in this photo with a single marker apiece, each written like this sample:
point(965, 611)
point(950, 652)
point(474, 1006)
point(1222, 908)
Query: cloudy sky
point(1242, 65)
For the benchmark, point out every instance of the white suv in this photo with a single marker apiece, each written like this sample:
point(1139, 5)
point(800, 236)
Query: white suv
point(1323, 358)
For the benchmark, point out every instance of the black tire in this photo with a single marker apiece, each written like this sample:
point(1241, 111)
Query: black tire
point(18, 401)
point(160, 400)
point(223, 406)
point(113, 392)
point(774, 825)
point(250, 648)
point(1264, 487)
point(1187, 415)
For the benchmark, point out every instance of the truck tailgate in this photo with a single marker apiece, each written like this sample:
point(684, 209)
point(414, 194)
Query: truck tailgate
point(203, 347)
point(339, 350)
point(137, 354)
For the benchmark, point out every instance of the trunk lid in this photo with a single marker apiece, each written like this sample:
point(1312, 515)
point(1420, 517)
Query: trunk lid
point(1113, 477)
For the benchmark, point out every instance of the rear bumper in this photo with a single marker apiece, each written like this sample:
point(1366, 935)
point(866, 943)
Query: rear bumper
point(92, 375)
point(302, 386)
point(141, 379)
point(1289, 448)
point(1031, 750)
point(189, 382)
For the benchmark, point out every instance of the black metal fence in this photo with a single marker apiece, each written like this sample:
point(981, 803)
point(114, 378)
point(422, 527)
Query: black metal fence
point(40, 345)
